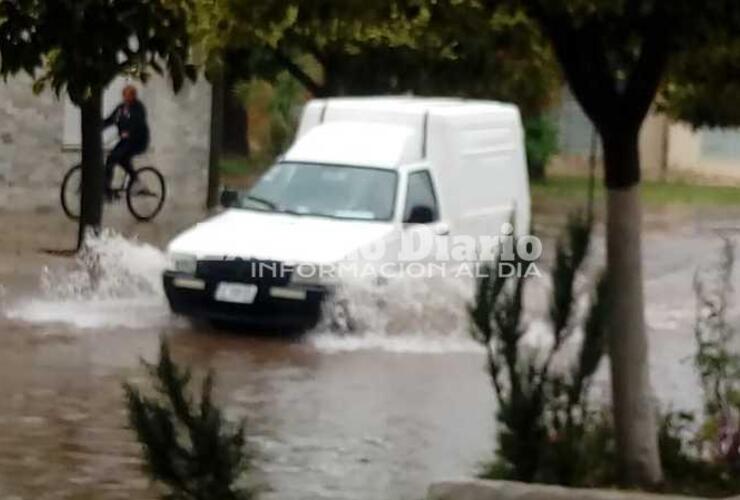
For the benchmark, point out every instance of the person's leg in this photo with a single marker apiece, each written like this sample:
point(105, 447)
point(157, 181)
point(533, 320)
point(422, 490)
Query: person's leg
point(132, 151)
point(114, 158)
point(126, 156)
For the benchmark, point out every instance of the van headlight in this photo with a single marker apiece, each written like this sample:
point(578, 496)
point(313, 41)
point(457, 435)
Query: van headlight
point(183, 263)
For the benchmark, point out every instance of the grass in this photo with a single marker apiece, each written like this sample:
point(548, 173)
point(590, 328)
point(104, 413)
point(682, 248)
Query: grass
point(653, 192)
point(240, 165)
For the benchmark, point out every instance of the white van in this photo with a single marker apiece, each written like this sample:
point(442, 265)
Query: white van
point(361, 171)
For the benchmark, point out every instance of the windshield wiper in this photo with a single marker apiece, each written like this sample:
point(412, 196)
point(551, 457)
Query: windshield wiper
point(269, 204)
point(290, 211)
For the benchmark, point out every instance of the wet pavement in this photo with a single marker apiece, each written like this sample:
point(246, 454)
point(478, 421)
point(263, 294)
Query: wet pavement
point(377, 414)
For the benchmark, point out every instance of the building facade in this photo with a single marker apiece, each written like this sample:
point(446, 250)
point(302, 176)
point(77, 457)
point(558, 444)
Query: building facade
point(667, 148)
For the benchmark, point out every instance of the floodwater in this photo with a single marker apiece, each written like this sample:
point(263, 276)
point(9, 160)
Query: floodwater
point(378, 414)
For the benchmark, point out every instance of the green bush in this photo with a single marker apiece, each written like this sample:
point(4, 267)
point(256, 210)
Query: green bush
point(281, 135)
point(541, 143)
point(688, 469)
point(286, 99)
point(704, 453)
point(282, 98)
point(547, 431)
point(189, 446)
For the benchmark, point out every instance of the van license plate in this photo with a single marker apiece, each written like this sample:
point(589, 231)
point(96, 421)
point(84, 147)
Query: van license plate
point(236, 293)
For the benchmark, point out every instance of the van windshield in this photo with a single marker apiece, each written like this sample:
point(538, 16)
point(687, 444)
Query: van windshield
point(335, 191)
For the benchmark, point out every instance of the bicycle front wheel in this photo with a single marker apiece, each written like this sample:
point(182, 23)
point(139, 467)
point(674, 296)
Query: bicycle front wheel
point(146, 193)
point(72, 192)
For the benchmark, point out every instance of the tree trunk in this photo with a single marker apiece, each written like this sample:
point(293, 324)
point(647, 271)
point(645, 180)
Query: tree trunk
point(234, 120)
point(217, 128)
point(634, 414)
point(93, 178)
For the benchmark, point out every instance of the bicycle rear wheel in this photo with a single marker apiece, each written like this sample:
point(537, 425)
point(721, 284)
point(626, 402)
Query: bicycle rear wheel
point(71, 193)
point(146, 194)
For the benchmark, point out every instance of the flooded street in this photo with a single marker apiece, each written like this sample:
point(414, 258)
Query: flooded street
point(351, 425)
point(374, 415)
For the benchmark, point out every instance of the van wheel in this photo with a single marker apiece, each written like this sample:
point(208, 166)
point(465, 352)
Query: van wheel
point(341, 319)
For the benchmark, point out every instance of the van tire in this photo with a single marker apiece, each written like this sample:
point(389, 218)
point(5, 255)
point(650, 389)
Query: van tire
point(341, 319)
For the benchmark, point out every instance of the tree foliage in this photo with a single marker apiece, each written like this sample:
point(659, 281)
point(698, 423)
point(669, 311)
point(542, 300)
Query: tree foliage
point(703, 86)
point(449, 47)
point(81, 45)
point(615, 54)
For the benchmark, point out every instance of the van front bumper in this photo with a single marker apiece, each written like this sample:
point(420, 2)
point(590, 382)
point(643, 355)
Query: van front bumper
point(274, 306)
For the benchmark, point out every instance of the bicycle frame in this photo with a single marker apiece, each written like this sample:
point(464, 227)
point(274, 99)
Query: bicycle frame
point(124, 182)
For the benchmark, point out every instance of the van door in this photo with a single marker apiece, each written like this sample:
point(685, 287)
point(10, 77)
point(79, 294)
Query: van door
point(422, 213)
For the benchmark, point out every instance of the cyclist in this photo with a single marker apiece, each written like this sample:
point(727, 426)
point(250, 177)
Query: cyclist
point(133, 131)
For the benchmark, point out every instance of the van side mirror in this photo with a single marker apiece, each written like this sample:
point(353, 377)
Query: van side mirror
point(421, 214)
point(229, 198)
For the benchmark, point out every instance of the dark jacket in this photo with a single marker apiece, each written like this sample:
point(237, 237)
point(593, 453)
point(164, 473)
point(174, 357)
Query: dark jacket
point(132, 119)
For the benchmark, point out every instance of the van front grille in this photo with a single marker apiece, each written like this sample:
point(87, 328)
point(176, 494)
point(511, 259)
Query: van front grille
point(247, 271)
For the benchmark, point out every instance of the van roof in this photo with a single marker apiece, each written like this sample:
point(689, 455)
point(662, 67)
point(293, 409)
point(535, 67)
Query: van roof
point(353, 143)
point(386, 131)
point(413, 104)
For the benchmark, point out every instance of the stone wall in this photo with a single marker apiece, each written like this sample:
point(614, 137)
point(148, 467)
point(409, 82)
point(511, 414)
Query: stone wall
point(34, 155)
point(31, 158)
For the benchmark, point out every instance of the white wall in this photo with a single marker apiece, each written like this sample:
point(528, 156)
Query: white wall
point(39, 141)
point(665, 146)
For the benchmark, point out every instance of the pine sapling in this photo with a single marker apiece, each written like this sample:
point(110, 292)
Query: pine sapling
point(189, 446)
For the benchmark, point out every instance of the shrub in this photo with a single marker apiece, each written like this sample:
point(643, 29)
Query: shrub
point(285, 102)
point(700, 454)
point(541, 142)
point(273, 108)
point(715, 448)
point(547, 432)
point(188, 445)
point(718, 366)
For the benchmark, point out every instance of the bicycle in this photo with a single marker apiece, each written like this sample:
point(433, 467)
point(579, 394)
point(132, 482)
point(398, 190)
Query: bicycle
point(148, 186)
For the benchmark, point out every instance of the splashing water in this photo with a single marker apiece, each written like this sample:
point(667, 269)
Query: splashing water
point(430, 315)
point(111, 267)
point(114, 282)
point(403, 315)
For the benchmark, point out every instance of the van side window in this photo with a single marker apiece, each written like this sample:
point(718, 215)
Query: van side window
point(420, 193)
